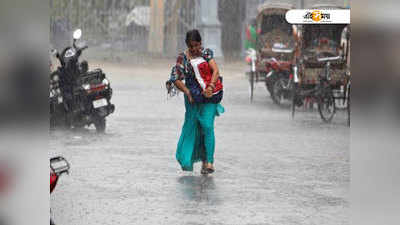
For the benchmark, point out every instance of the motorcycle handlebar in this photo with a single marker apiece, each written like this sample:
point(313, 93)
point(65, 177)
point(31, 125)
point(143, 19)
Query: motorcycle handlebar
point(83, 48)
point(80, 50)
point(77, 48)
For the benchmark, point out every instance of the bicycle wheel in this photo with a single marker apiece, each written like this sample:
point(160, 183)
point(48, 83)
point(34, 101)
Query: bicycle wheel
point(294, 97)
point(348, 106)
point(326, 106)
point(251, 83)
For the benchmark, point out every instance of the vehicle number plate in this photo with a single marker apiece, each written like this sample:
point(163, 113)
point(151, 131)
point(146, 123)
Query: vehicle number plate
point(99, 103)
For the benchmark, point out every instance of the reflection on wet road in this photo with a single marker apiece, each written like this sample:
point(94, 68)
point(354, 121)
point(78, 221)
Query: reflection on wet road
point(199, 188)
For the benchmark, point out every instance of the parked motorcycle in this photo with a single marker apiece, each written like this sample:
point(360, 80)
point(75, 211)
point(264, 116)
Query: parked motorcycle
point(78, 97)
point(58, 166)
point(279, 78)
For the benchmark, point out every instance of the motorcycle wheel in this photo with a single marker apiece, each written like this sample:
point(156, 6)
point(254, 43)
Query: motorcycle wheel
point(278, 92)
point(52, 122)
point(327, 107)
point(269, 84)
point(100, 125)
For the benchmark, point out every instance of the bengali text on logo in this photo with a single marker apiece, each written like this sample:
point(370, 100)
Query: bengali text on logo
point(300, 16)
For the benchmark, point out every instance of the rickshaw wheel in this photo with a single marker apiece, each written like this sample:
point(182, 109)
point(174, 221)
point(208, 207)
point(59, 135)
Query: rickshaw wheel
point(294, 97)
point(327, 107)
point(348, 107)
point(348, 112)
point(251, 81)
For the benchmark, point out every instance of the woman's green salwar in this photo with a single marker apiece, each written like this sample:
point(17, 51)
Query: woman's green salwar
point(197, 141)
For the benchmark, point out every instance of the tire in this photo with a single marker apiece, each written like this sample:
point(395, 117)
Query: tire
point(251, 82)
point(279, 93)
point(269, 84)
point(348, 112)
point(294, 97)
point(327, 106)
point(53, 74)
point(52, 123)
point(53, 106)
point(100, 125)
point(348, 107)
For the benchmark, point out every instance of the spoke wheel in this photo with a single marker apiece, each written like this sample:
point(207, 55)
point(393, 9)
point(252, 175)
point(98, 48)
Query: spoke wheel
point(327, 107)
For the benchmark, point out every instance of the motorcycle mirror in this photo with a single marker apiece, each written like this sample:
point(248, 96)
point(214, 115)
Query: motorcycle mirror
point(77, 34)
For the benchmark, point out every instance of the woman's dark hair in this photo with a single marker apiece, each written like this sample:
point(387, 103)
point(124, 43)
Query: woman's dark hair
point(192, 35)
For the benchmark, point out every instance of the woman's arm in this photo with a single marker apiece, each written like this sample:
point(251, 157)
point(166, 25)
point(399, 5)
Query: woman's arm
point(177, 77)
point(214, 78)
point(215, 71)
point(181, 86)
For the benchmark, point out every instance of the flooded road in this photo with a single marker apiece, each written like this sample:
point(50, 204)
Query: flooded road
point(270, 169)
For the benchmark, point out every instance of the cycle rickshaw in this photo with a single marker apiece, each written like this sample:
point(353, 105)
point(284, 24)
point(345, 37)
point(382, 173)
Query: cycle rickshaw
point(323, 68)
point(276, 47)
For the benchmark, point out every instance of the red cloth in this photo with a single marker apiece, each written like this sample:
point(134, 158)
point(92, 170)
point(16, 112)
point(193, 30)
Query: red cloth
point(206, 74)
point(53, 181)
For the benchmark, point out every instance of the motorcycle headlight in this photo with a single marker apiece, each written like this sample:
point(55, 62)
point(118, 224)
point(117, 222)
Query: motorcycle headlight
point(106, 82)
point(69, 53)
point(86, 86)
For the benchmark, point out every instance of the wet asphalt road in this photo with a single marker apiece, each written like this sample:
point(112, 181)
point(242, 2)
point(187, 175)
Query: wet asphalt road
point(269, 169)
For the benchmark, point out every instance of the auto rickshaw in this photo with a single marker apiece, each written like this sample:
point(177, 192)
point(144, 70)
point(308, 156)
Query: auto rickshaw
point(276, 48)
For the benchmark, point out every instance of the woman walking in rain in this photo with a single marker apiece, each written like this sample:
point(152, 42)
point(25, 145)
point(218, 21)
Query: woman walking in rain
point(203, 91)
